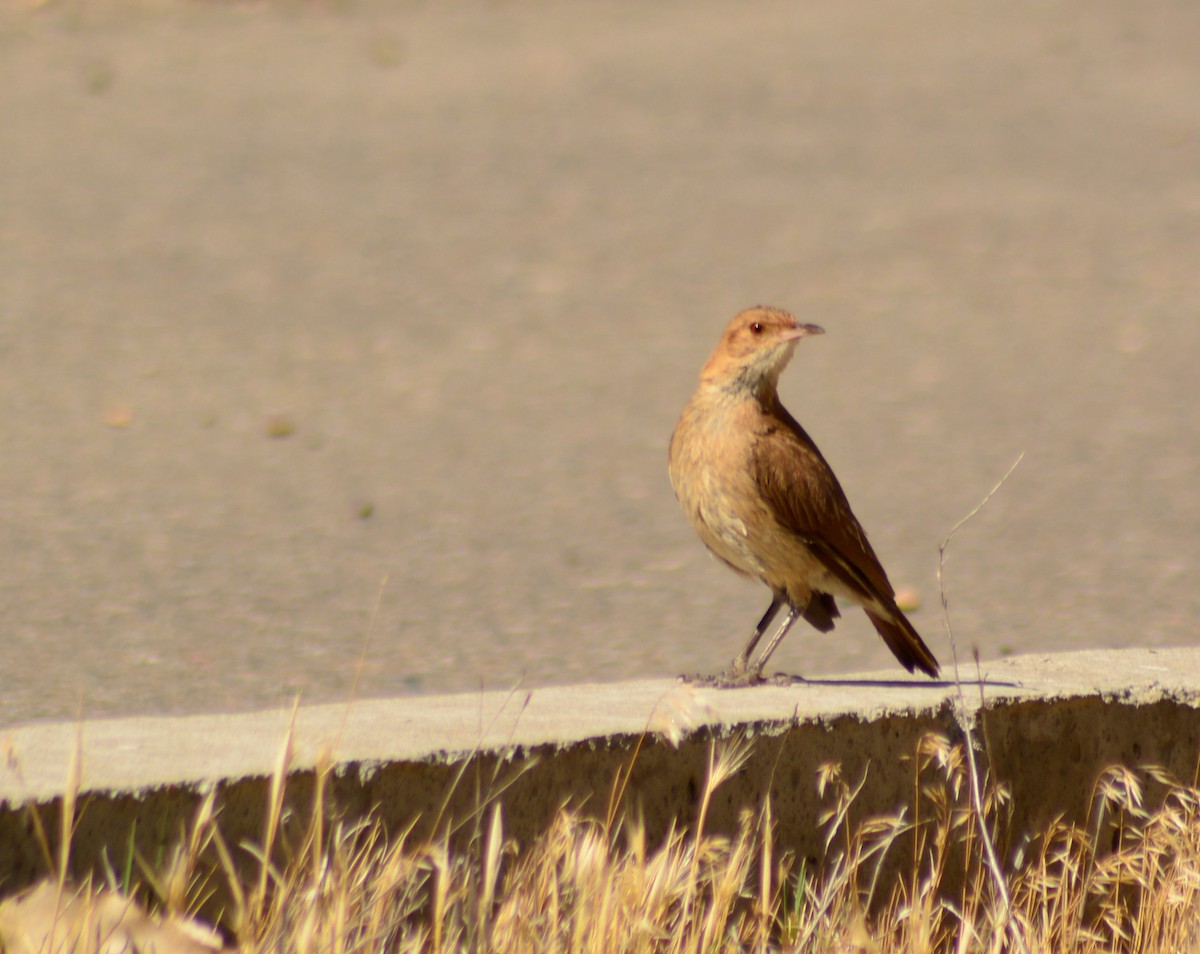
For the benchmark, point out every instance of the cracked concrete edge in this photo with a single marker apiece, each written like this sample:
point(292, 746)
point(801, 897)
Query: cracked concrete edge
point(1053, 723)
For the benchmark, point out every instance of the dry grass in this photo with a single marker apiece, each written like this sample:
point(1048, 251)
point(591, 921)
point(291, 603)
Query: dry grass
point(1128, 879)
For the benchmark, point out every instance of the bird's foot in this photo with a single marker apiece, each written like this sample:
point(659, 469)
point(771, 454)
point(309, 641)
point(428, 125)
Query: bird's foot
point(735, 677)
point(739, 678)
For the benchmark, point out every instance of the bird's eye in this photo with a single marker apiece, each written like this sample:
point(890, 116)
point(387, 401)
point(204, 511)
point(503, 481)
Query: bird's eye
point(756, 328)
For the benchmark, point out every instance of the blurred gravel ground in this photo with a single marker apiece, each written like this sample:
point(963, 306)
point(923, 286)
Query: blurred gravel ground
point(301, 304)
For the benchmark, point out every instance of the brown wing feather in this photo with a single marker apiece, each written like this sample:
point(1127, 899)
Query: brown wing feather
point(805, 496)
point(905, 643)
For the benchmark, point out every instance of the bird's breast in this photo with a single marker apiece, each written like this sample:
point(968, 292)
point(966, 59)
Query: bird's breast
point(710, 471)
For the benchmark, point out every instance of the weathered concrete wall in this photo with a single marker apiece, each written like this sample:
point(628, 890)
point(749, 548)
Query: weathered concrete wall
point(1050, 725)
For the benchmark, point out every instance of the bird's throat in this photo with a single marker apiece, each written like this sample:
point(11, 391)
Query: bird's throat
point(753, 383)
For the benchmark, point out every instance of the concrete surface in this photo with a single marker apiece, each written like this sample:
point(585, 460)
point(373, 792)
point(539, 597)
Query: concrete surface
point(1052, 724)
point(474, 255)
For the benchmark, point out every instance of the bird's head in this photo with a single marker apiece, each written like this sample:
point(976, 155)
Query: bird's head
point(754, 349)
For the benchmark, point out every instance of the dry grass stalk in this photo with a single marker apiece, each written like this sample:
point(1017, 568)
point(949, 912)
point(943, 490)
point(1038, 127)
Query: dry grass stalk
point(1010, 925)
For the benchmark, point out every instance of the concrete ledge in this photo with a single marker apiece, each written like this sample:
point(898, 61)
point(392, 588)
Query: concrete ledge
point(1052, 724)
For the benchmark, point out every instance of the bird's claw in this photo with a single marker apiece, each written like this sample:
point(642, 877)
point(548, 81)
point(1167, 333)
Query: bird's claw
point(739, 677)
point(735, 677)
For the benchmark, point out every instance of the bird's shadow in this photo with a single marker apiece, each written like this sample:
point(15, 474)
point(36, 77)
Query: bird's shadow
point(785, 680)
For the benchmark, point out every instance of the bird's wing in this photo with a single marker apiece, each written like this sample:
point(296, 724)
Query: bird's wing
point(806, 498)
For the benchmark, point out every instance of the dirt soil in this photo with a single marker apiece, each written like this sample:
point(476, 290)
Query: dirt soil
point(356, 331)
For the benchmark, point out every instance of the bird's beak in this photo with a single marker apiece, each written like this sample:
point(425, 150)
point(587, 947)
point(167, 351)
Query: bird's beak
point(801, 331)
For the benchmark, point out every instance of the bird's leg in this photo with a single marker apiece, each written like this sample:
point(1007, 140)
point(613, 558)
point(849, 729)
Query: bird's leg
point(740, 673)
point(739, 664)
point(793, 614)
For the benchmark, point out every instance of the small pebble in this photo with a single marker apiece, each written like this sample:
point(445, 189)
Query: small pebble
point(280, 425)
point(118, 415)
point(908, 599)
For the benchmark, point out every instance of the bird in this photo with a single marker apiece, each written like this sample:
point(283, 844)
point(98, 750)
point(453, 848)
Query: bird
point(765, 502)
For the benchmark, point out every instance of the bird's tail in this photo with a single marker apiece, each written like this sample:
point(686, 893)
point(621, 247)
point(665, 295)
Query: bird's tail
point(905, 643)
